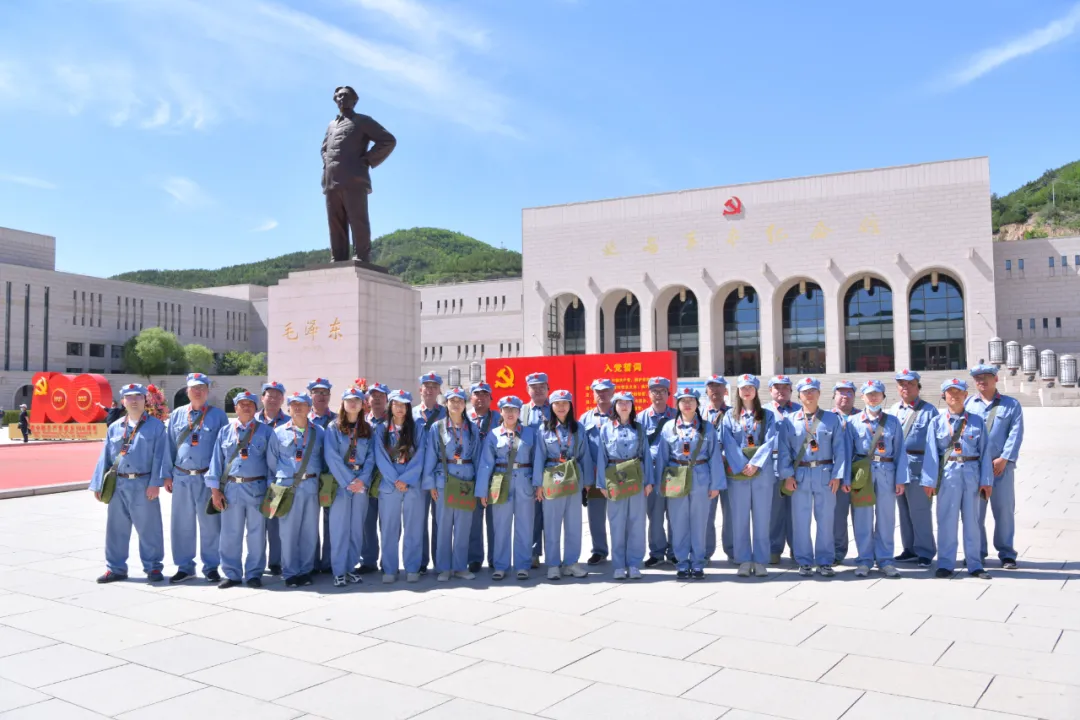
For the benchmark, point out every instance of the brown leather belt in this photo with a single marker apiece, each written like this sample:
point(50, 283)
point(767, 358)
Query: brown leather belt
point(459, 461)
point(962, 459)
point(182, 471)
point(874, 458)
point(517, 466)
point(915, 452)
point(687, 464)
point(815, 463)
point(131, 476)
point(235, 479)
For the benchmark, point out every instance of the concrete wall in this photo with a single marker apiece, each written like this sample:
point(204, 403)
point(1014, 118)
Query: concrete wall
point(462, 323)
point(895, 224)
point(18, 247)
point(1039, 292)
point(106, 313)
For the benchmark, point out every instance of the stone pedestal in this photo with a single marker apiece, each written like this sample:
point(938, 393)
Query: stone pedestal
point(343, 321)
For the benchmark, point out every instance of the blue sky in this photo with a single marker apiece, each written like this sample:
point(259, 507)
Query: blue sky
point(185, 133)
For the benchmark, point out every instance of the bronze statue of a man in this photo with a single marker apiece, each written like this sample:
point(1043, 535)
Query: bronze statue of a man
point(353, 144)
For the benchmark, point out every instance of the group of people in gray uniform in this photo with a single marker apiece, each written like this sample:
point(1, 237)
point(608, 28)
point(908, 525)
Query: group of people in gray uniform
point(311, 490)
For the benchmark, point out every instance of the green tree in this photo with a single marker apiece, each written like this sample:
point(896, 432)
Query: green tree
point(199, 358)
point(236, 362)
point(154, 352)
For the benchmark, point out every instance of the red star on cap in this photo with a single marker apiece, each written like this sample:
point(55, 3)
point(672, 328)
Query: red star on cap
point(905, 372)
point(956, 381)
point(808, 380)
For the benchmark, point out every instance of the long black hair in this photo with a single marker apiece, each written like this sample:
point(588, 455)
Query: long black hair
point(466, 422)
point(697, 411)
point(614, 414)
point(553, 419)
point(406, 440)
point(759, 412)
point(363, 429)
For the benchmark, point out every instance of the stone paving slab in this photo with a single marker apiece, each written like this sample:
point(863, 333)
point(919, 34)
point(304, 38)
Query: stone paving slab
point(731, 648)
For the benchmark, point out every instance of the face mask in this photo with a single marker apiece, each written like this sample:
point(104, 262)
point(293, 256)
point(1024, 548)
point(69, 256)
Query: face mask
point(874, 409)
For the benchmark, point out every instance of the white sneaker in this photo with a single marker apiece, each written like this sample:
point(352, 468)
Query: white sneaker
point(464, 575)
point(620, 574)
point(340, 581)
point(388, 579)
point(443, 577)
point(412, 577)
point(862, 571)
point(744, 569)
point(890, 571)
point(576, 570)
point(635, 573)
point(760, 570)
point(554, 574)
point(565, 569)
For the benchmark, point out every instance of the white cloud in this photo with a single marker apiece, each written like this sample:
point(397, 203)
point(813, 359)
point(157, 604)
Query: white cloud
point(266, 226)
point(418, 19)
point(185, 191)
point(187, 64)
point(28, 181)
point(991, 58)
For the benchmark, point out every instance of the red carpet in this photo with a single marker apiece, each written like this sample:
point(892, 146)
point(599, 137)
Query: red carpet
point(34, 465)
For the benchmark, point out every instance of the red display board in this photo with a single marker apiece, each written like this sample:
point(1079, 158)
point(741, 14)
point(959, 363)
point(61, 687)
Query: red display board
point(60, 398)
point(629, 372)
point(507, 375)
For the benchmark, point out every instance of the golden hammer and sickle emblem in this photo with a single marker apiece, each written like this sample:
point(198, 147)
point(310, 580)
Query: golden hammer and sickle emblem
point(504, 378)
point(41, 387)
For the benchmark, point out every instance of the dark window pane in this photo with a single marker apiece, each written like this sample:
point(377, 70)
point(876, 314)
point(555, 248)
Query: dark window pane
point(742, 319)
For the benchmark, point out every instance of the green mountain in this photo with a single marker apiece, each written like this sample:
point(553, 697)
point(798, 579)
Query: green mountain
point(1047, 207)
point(418, 256)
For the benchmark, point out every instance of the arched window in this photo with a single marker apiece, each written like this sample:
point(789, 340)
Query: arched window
point(937, 324)
point(868, 327)
point(574, 329)
point(628, 326)
point(682, 321)
point(804, 330)
point(742, 333)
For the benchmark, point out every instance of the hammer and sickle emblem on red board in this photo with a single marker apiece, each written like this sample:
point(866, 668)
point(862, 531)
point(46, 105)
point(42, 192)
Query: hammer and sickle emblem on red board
point(733, 206)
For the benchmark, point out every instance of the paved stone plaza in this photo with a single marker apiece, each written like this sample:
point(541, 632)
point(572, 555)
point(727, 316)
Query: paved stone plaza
point(811, 649)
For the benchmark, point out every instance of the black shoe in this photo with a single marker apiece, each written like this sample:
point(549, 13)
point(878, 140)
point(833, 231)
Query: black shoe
point(365, 569)
point(213, 576)
point(682, 574)
point(698, 575)
point(980, 573)
point(227, 583)
point(423, 570)
point(110, 576)
point(254, 583)
point(291, 582)
point(179, 577)
point(304, 580)
point(906, 556)
point(155, 576)
point(924, 562)
point(943, 573)
point(596, 559)
point(325, 571)
point(1009, 563)
point(474, 567)
point(275, 570)
point(652, 562)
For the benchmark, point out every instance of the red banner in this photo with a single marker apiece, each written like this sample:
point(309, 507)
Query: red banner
point(60, 398)
point(507, 375)
point(629, 372)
